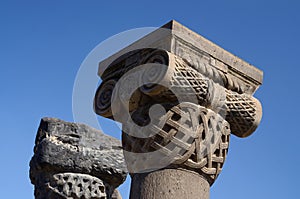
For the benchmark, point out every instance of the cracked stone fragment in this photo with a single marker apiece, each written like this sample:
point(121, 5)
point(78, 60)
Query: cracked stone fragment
point(75, 161)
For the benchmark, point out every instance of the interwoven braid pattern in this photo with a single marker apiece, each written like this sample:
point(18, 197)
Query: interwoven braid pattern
point(199, 136)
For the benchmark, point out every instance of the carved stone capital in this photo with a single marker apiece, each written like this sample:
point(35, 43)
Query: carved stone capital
point(201, 111)
point(179, 97)
point(192, 137)
point(161, 77)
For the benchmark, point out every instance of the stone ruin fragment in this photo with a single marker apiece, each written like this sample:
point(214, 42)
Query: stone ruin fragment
point(75, 161)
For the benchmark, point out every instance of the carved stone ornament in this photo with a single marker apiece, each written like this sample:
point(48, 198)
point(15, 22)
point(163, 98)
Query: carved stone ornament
point(175, 78)
point(75, 161)
point(178, 97)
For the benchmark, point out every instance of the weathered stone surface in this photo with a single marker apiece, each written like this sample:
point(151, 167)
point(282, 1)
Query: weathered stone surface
point(71, 185)
point(179, 97)
point(177, 80)
point(169, 184)
point(75, 160)
point(197, 50)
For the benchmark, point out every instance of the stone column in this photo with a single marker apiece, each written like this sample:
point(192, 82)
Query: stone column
point(169, 183)
point(75, 161)
point(179, 97)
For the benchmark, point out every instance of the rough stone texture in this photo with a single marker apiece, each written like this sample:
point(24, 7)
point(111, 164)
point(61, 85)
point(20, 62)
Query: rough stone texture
point(169, 184)
point(71, 185)
point(75, 161)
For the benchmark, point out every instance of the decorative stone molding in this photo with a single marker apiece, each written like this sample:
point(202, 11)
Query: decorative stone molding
point(178, 80)
point(200, 144)
point(75, 161)
point(178, 96)
point(197, 50)
point(71, 185)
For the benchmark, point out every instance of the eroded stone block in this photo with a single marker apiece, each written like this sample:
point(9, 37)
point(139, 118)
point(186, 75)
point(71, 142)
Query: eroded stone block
point(75, 161)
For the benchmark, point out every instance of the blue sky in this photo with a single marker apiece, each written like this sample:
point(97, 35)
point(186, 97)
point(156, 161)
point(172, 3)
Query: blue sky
point(43, 43)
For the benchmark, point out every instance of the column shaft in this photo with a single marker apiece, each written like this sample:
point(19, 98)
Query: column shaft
point(169, 184)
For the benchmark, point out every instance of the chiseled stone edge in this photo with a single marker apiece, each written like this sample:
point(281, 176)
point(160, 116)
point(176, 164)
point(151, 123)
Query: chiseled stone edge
point(163, 38)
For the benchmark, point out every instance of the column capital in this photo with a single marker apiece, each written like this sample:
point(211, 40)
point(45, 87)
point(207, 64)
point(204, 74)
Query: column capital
point(179, 97)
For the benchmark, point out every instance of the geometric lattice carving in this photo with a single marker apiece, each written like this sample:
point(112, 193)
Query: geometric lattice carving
point(178, 97)
point(199, 144)
point(74, 185)
point(182, 80)
point(203, 106)
point(244, 115)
